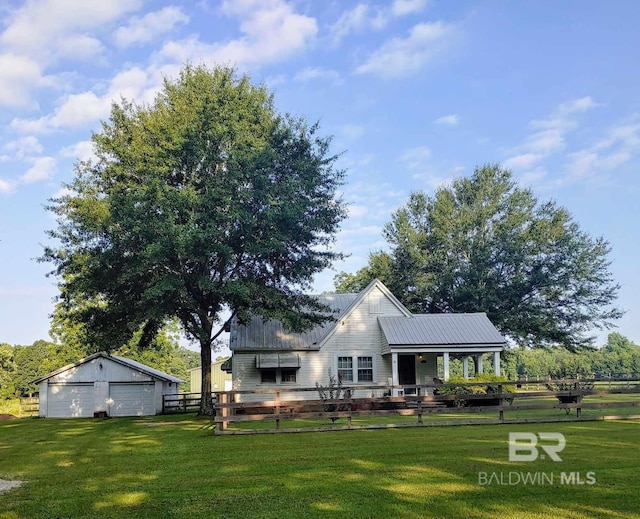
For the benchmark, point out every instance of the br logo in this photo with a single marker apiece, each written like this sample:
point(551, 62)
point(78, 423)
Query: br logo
point(523, 446)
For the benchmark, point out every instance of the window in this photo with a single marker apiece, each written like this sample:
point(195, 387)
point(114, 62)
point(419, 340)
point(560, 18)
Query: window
point(345, 369)
point(365, 369)
point(288, 376)
point(355, 369)
point(268, 376)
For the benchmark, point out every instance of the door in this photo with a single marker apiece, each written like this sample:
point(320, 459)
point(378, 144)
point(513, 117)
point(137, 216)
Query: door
point(407, 371)
point(70, 400)
point(132, 399)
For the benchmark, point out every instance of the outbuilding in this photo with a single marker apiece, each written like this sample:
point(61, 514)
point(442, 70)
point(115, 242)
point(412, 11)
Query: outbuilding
point(104, 385)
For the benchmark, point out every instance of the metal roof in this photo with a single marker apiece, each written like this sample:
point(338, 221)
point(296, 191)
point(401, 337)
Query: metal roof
point(127, 362)
point(271, 335)
point(440, 329)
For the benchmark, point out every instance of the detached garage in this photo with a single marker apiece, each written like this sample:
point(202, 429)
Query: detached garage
point(104, 384)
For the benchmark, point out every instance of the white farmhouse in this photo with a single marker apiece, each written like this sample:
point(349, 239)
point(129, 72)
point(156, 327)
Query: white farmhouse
point(374, 340)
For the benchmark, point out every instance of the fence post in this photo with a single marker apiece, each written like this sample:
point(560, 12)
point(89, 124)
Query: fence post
point(419, 411)
point(184, 403)
point(277, 409)
point(501, 403)
point(224, 411)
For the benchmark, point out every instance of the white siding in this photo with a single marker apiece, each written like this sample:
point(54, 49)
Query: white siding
point(92, 372)
point(356, 335)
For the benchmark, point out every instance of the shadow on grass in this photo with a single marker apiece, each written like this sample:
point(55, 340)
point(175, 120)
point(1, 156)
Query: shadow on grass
point(177, 468)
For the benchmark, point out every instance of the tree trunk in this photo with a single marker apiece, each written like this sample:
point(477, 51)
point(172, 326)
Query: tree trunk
point(206, 402)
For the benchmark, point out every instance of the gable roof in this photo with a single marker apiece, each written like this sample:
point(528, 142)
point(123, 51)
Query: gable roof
point(143, 368)
point(271, 335)
point(441, 329)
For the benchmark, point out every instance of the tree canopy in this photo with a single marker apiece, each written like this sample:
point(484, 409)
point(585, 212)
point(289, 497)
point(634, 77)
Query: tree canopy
point(204, 202)
point(483, 244)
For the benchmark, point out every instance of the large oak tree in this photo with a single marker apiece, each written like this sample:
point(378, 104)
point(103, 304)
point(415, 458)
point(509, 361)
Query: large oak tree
point(483, 244)
point(205, 203)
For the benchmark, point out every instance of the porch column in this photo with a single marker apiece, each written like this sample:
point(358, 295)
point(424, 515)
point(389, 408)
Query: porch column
point(496, 363)
point(445, 365)
point(394, 369)
point(479, 362)
point(465, 367)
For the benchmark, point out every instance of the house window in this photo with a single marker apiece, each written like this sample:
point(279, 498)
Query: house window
point(268, 376)
point(288, 376)
point(365, 369)
point(345, 369)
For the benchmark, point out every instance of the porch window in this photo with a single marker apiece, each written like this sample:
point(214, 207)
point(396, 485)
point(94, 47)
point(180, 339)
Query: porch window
point(268, 376)
point(345, 369)
point(365, 369)
point(288, 376)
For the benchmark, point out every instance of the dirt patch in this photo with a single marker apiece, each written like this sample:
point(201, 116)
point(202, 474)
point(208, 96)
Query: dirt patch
point(7, 417)
point(8, 485)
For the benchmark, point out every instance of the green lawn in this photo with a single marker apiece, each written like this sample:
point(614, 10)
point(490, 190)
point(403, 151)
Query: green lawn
point(175, 467)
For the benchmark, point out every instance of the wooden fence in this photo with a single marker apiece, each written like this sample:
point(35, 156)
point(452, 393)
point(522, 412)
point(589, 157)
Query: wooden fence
point(182, 403)
point(28, 406)
point(278, 406)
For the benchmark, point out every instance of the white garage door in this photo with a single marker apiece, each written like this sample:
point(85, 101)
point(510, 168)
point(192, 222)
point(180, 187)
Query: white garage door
point(132, 399)
point(70, 400)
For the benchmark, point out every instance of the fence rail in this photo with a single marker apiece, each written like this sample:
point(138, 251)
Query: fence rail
point(28, 406)
point(430, 399)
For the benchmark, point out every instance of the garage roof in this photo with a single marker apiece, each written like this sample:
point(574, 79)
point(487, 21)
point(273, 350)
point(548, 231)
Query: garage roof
point(155, 373)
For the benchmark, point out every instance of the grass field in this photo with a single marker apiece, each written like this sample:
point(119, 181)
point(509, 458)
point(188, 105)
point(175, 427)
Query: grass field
point(175, 467)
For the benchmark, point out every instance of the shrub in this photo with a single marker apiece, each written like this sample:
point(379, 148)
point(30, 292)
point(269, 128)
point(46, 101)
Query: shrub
point(459, 387)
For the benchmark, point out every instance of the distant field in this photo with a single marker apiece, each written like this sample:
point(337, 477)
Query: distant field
point(175, 467)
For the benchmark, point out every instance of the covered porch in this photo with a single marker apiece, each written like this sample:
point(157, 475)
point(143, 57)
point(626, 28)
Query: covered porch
point(414, 345)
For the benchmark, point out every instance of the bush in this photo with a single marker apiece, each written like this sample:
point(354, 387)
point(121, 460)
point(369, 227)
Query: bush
point(459, 387)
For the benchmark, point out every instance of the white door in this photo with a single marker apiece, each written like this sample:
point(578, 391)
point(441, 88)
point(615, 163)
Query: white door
point(132, 399)
point(70, 400)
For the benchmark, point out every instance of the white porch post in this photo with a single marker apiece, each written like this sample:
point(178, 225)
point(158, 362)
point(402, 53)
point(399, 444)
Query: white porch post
point(394, 369)
point(479, 361)
point(496, 363)
point(465, 367)
point(445, 365)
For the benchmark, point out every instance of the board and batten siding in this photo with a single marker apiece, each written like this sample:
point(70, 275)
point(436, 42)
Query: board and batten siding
point(356, 335)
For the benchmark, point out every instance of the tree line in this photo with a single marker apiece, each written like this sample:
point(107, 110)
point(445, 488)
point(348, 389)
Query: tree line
point(618, 357)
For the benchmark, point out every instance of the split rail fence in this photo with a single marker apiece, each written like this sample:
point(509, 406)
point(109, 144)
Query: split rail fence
point(281, 406)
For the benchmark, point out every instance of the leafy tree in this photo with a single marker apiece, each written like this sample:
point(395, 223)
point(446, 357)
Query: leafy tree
point(484, 244)
point(204, 201)
point(380, 266)
point(7, 371)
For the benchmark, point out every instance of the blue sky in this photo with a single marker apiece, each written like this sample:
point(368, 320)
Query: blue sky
point(416, 92)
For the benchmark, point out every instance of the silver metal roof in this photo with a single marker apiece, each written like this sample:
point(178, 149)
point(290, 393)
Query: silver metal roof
point(440, 329)
point(271, 335)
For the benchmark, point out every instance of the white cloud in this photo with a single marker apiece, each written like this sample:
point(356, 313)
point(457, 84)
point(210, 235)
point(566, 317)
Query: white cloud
point(523, 161)
point(363, 17)
point(405, 7)
point(271, 30)
point(46, 28)
point(23, 147)
point(550, 134)
point(403, 56)
point(448, 120)
point(76, 110)
point(42, 169)
point(20, 75)
point(311, 73)
point(350, 21)
point(141, 30)
point(5, 187)
point(357, 211)
point(82, 151)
